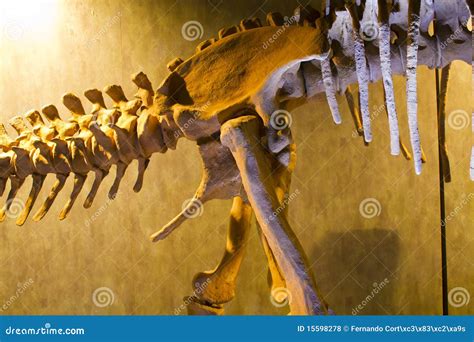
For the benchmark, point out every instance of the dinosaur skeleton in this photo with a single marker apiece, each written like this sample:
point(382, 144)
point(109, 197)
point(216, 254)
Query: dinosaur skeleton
point(235, 116)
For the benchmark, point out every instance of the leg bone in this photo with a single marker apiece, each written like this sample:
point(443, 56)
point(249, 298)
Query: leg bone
point(242, 137)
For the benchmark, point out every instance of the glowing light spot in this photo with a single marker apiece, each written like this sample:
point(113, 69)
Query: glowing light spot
point(23, 19)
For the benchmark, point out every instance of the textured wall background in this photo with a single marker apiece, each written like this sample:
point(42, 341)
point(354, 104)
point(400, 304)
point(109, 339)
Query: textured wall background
point(76, 45)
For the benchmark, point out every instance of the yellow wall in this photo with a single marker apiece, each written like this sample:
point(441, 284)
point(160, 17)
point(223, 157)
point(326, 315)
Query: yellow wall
point(77, 45)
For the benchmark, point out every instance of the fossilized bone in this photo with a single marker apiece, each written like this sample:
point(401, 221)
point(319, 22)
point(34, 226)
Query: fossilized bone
point(234, 115)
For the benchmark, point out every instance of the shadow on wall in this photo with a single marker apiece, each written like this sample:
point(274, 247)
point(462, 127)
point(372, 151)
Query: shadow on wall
point(356, 271)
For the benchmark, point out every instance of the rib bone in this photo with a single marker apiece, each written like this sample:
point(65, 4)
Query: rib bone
point(412, 63)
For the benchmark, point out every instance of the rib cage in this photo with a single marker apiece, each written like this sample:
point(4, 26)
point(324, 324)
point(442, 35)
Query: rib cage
point(132, 130)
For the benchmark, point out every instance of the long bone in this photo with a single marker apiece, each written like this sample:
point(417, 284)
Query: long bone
point(386, 67)
point(361, 67)
point(213, 288)
point(241, 137)
point(412, 63)
point(281, 173)
point(220, 180)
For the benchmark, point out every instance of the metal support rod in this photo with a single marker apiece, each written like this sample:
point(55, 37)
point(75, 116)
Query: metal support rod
point(444, 264)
